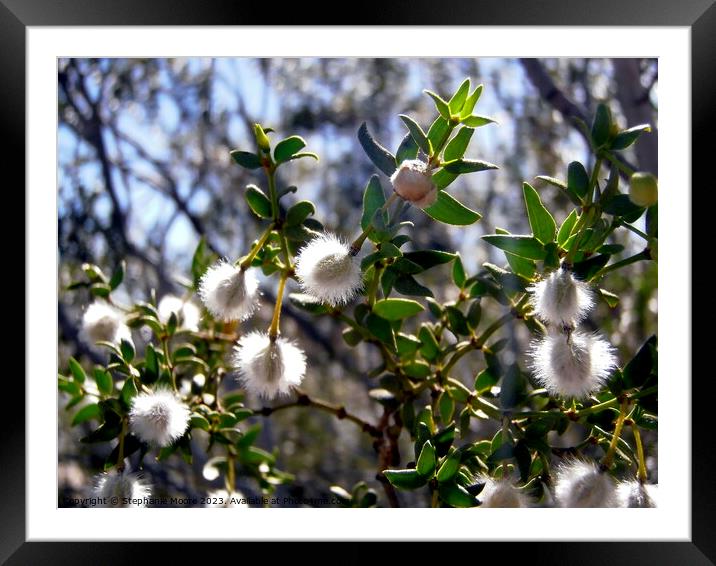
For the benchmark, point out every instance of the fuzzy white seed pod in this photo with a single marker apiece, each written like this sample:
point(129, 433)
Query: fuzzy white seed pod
point(327, 270)
point(187, 313)
point(560, 299)
point(412, 182)
point(120, 489)
point(268, 368)
point(583, 484)
point(632, 493)
point(572, 366)
point(103, 322)
point(159, 417)
point(501, 493)
point(222, 498)
point(229, 292)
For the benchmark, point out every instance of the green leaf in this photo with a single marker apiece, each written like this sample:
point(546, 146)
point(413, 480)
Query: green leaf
point(458, 145)
point(129, 392)
point(456, 496)
point(199, 421)
point(476, 121)
point(438, 131)
point(460, 166)
point(86, 413)
point(285, 149)
point(246, 159)
point(611, 299)
point(601, 126)
point(407, 285)
point(407, 149)
point(258, 202)
point(127, 349)
point(523, 246)
point(77, 372)
point(417, 133)
point(397, 309)
point(426, 461)
point(118, 275)
point(458, 99)
point(100, 290)
point(446, 406)
point(381, 329)
point(470, 102)
point(626, 138)
point(103, 379)
point(299, 212)
point(450, 211)
point(641, 366)
point(151, 363)
point(521, 266)
point(373, 199)
point(449, 467)
point(429, 348)
point(565, 230)
point(381, 157)
point(552, 181)
point(474, 314)
point(456, 321)
point(405, 479)
point(429, 258)
point(301, 154)
point(440, 104)
point(577, 180)
point(458, 272)
point(541, 221)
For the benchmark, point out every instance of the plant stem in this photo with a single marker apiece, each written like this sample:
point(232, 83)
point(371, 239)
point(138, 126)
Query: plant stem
point(168, 361)
point(230, 479)
point(358, 242)
point(640, 453)
point(275, 321)
point(628, 171)
point(246, 262)
point(609, 458)
point(635, 230)
point(304, 400)
point(273, 196)
point(593, 180)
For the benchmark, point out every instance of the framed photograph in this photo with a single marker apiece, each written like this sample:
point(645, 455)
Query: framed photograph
point(396, 280)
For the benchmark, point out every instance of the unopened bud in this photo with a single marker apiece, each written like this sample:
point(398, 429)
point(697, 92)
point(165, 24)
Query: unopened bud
point(643, 189)
point(262, 138)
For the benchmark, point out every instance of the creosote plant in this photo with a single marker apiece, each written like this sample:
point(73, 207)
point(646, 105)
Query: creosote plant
point(150, 406)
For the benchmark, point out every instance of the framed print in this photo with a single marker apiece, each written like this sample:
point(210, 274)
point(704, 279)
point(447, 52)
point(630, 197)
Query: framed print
point(396, 280)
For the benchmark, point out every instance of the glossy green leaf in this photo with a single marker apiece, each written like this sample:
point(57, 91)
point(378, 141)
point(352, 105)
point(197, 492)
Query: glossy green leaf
point(381, 157)
point(198, 421)
point(405, 479)
point(426, 461)
point(103, 379)
point(118, 275)
point(627, 137)
point(457, 101)
point(577, 180)
point(373, 199)
point(258, 202)
point(407, 149)
point(439, 131)
point(450, 211)
point(565, 230)
point(541, 221)
point(458, 272)
point(457, 146)
point(86, 413)
point(440, 104)
point(397, 309)
point(299, 212)
point(460, 166)
point(471, 101)
point(127, 349)
point(246, 159)
point(381, 329)
point(476, 121)
point(285, 149)
point(449, 467)
point(523, 246)
point(76, 369)
point(418, 134)
point(601, 126)
point(456, 496)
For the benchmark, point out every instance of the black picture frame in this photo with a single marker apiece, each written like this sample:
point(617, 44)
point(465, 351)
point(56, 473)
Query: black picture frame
point(698, 15)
